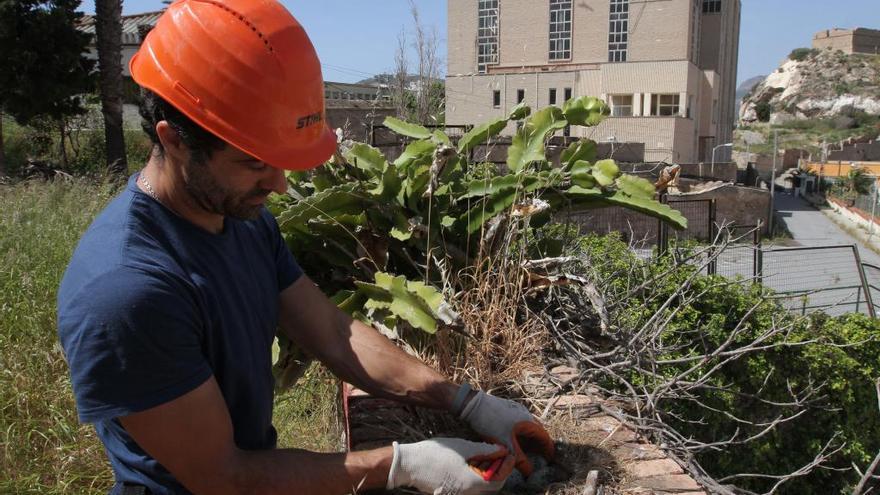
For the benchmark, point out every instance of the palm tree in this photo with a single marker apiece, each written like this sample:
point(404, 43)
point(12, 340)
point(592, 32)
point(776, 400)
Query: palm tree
point(108, 28)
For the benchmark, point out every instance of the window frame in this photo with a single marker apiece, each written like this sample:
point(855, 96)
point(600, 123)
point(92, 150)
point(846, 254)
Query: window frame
point(659, 107)
point(615, 106)
point(520, 96)
point(551, 97)
point(560, 30)
point(618, 31)
point(712, 7)
point(496, 98)
point(487, 34)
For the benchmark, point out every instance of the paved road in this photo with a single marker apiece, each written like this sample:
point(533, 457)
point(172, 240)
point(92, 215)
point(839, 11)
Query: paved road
point(830, 273)
point(810, 227)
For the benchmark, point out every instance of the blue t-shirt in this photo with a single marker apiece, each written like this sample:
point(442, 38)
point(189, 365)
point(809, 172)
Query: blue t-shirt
point(151, 306)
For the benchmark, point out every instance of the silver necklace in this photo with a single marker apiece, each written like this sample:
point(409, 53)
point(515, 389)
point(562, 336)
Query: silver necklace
point(148, 187)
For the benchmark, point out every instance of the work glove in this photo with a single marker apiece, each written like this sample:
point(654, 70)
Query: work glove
point(450, 466)
point(510, 424)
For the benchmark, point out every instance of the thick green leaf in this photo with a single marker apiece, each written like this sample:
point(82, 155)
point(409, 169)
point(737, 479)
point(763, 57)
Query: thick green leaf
point(488, 208)
point(580, 150)
point(480, 134)
point(650, 207)
point(483, 187)
point(407, 129)
point(335, 201)
point(365, 157)
point(606, 172)
point(406, 302)
point(528, 143)
point(349, 301)
point(586, 111)
point(596, 198)
point(636, 187)
point(520, 112)
point(583, 180)
point(440, 137)
point(390, 184)
point(413, 151)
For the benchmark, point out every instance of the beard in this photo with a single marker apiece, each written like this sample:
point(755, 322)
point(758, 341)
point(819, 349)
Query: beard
point(214, 198)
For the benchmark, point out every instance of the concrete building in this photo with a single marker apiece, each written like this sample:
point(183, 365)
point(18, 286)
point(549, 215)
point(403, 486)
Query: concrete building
point(344, 94)
point(132, 25)
point(849, 41)
point(666, 68)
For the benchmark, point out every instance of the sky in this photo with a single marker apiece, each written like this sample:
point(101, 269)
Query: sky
point(358, 38)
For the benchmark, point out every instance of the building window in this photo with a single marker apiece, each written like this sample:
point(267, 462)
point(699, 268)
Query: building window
point(560, 29)
point(496, 99)
point(567, 94)
point(520, 95)
point(665, 105)
point(621, 105)
point(711, 6)
point(552, 96)
point(695, 32)
point(487, 34)
point(618, 31)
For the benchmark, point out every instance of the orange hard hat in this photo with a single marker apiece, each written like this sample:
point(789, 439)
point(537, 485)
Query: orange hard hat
point(246, 71)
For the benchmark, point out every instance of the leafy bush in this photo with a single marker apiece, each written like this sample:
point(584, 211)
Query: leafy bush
point(383, 237)
point(837, 358)
point(764, 110)
point(801, 54)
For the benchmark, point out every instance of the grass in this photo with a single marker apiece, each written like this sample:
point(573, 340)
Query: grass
point(43, 448)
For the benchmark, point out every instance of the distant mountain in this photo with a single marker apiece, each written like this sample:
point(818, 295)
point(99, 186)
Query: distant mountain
point(746, 88)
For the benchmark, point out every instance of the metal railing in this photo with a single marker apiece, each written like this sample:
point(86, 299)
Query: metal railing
point(827, 278)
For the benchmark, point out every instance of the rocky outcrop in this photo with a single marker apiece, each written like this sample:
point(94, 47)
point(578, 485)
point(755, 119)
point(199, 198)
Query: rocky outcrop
point(823, 84)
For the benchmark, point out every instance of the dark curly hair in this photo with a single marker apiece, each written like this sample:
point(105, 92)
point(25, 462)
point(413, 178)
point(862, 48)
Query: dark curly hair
point(201, 143)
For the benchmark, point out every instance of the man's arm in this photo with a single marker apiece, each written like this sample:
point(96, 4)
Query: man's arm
point(358, 353)
point(192, 437)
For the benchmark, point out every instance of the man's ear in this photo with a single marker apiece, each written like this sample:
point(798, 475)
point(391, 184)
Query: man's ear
point(171, 142)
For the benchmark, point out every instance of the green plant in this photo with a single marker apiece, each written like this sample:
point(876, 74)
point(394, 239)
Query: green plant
point(818, 371)
point(801, 54)
point(763, 110)
point(385, 238)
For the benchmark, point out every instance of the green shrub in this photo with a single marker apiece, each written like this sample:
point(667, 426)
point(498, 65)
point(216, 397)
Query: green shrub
point(764, 110)
point(839, 355)
point(801, 54)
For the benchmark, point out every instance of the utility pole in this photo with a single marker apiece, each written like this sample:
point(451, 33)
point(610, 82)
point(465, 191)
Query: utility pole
point(773, 179)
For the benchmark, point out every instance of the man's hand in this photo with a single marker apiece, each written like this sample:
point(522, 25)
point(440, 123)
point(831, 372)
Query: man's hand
point(446, 466)
point(509, 424)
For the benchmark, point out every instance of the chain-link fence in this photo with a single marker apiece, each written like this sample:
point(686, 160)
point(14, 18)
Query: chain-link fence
point(742, 255)
point(826, 278)
point(872, 279)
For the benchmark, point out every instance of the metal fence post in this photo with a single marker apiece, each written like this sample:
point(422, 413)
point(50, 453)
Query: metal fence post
point(759, 258)
point(868, 298)
point(662, 237)
point(713, 264)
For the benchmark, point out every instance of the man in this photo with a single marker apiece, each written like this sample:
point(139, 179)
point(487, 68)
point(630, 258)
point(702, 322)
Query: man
point(169, 306)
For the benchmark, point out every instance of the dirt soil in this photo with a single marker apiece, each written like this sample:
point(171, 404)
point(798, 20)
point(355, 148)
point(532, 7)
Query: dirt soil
point(586, 440)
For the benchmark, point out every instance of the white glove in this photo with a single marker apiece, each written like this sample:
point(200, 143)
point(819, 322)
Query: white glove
point(511, 424)
point(443, 466)
point(494, 418)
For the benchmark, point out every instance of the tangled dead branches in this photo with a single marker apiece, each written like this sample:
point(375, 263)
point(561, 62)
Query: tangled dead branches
point(673, 380)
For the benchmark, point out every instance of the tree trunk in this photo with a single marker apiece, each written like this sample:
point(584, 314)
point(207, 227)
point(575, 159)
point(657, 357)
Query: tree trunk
point(108, 25)
point(62, 128)
point(2, 152)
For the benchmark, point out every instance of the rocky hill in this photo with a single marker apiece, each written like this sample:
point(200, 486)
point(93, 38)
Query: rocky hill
point(746, 88)
point(815, 84)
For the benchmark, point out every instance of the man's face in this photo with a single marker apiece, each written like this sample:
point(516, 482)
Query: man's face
point(232, 183)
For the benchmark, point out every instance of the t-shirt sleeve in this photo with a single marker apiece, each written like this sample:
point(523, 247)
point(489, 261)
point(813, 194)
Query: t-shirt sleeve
point(132, 340)
point(289, 270)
